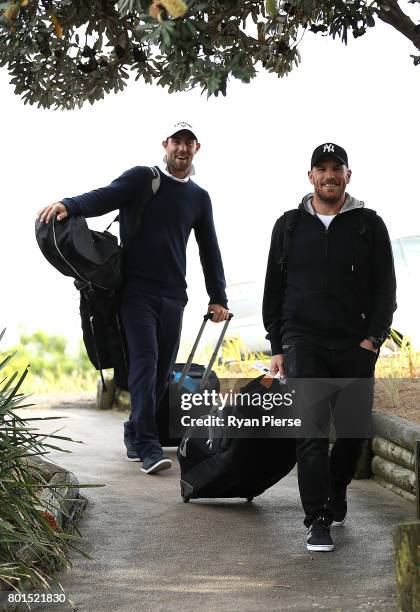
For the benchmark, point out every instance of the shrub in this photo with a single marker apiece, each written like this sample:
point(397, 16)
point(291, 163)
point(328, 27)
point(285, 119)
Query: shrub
point(31, 545)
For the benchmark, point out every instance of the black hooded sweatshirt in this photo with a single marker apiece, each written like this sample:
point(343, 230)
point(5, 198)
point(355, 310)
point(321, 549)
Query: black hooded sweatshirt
point(339, 286)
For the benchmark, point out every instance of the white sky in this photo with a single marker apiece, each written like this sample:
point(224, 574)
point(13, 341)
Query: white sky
point(256, 146)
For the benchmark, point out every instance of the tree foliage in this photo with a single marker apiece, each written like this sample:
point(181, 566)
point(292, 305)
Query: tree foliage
point(61, 53)
point(51, 366)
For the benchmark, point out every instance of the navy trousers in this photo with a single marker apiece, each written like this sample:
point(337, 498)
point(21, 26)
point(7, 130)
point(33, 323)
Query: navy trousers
point(320, 475)
point(153, 327)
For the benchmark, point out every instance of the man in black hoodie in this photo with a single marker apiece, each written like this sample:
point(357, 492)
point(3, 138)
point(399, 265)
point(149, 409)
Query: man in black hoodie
point(329, 298)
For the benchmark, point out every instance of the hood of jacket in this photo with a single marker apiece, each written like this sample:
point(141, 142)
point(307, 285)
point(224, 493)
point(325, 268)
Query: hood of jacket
point(350, 203)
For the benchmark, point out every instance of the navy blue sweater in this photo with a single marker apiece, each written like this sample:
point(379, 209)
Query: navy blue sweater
point(155, 261)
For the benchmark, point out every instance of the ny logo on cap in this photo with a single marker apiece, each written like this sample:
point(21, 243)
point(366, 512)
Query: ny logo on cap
point(329, 148)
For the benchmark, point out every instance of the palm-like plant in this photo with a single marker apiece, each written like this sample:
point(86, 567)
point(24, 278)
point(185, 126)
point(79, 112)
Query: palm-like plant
point(32, 544)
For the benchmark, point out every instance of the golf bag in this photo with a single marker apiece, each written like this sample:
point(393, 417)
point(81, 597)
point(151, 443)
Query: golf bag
point(216, 464)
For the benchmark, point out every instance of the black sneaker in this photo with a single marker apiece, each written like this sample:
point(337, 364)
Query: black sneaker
point(155, 463)
point(132, 454)
point(338, 506)
point(319, 538)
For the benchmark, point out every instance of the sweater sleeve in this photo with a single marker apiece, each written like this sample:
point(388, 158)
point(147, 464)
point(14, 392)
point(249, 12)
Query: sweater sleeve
point(120, 193)
point(274, 290)
point(384, 284)
point(210, 257)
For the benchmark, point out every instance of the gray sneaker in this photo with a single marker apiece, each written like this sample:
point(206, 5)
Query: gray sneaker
point(156, 463)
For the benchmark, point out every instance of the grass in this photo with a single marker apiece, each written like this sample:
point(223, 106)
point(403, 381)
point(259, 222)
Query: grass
point(52, 366)
point(403, 363)
point(397, 375)
point(236, 360)
point(66, 383)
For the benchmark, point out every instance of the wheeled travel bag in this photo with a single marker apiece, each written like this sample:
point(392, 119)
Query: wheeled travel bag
point(186, 378)
point(216, 464)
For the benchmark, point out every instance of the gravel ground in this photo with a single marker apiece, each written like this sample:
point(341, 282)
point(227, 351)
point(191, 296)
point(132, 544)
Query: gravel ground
point(400, 397)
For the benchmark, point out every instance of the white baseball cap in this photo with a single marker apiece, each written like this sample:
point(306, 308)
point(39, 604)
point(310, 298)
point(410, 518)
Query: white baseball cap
point(178, 126)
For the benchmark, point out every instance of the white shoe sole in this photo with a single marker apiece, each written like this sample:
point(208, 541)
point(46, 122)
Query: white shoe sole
point(339, 523)
point(163, 464)
point(136, 459)
point(320, 547)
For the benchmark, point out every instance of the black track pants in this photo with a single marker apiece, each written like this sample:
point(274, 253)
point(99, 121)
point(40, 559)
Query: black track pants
point(318, 473)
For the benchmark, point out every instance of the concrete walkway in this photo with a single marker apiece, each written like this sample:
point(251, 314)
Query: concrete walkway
point(153, 552)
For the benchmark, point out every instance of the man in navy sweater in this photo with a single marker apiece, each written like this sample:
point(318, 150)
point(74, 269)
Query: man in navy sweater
point(154, 289)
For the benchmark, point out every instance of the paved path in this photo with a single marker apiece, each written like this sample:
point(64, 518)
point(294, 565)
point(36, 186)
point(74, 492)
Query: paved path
point(154, 553)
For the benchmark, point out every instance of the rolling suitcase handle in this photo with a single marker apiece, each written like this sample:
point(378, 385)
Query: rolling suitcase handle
point(207, 372)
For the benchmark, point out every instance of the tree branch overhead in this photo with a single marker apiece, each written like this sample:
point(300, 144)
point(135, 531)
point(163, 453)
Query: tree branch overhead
point(63, 53)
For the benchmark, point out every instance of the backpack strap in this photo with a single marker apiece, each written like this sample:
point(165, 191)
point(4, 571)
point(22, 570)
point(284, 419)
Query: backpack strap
point(117, 219)
point(155, 179)
point(291, 219)
point(147, 195)
point(85, 295)
point(367, 217)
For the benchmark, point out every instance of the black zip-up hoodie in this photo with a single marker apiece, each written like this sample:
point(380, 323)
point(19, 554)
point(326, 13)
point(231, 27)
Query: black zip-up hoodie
point(340, 283)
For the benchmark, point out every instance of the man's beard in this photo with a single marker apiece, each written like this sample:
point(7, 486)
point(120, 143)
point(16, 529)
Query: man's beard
point(332, 199)
point(178, 165)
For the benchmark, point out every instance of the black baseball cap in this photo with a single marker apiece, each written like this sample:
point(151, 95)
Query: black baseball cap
point(331, 149)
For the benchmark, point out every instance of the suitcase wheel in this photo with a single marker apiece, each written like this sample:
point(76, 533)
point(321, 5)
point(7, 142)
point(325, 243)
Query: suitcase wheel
point(249, 499)
point(186, 491)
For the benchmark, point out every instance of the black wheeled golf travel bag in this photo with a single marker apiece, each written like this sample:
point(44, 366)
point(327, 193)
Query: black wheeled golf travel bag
point(216, 463)
point(186, 378)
